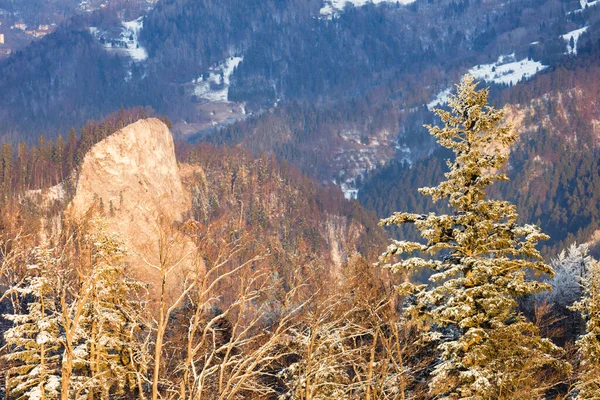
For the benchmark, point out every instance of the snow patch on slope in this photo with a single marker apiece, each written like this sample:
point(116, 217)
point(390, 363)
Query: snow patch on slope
point(507, 70)
point(332, 7)
point(132, 31)
point(126, 43)
point(440, 99)
point(575, 36)
point(215, 86)
point(588, 3)
point(584, 4)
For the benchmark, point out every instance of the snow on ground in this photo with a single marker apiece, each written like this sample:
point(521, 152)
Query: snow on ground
point(215, 87)
point(127, 42)
point(350, 193)
point(440, 99)
point(588, 3)
point(575, 36)
point(332, 7)
point(507, 70)
point(584, 4)
point(131, 34)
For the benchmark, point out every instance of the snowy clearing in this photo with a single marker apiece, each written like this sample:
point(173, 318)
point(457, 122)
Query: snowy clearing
point(127, 42)
point(131, 32)
point(507, 70)
point(332, 7)
point(588, 3)
point(215, 87)
point(440, 99)
point(359, 153)
point(575, 36)
point(349, 192)
point(584, 4)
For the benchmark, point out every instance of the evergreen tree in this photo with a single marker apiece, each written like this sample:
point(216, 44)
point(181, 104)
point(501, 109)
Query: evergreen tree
point(588, 384)
point(488, 350)
point(109, 350)
point(71, 148)
point(22, 160)
point(569, 267)
point(33, 341)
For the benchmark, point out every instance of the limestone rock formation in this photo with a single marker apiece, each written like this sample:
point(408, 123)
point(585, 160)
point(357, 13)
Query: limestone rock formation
point(133, 177)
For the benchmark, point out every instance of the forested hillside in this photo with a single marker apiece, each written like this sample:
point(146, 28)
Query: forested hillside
point(554, 168)
point(266, 289)
point(339, 95)
point(289, 52)
point(190, 193)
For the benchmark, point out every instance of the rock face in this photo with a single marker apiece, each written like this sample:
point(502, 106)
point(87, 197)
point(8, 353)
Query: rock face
point(135, 170)
point(133, 177)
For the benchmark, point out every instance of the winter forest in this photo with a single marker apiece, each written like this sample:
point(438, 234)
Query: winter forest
point(236, 299)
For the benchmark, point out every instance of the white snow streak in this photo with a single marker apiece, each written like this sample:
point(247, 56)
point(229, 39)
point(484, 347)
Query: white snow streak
point(584, 4)
point(440, 99)
point(588, 3)
point(216, 86)
point(127, 42)
point(332, 7)
point(349, 192)
point(575, 35)
point(507, 70)
point(131, 34)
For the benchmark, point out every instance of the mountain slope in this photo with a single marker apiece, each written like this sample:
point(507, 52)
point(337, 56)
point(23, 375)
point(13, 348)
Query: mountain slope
point(554, 168)
point(205, 197)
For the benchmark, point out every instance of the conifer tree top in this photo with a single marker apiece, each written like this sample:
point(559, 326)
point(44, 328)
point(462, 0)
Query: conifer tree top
point(478, 256)
point(478, 227)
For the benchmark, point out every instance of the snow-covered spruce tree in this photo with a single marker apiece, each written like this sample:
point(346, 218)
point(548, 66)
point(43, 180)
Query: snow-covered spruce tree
point(588, 383)
point(569, 267)
point(108, 350)
point(479, 257)
point(34, 341)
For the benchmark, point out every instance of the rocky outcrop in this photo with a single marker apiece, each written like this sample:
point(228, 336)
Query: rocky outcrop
point(342, 236)
point(132, 177)
point(134, 171)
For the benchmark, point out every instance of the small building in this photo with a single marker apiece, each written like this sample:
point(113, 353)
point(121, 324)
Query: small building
point(20, 25)
point(44, 28)
point(1, 38)
point(5, 52)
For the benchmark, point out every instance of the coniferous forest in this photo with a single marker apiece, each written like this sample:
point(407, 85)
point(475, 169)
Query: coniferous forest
point(474, 312)
point(300, 199)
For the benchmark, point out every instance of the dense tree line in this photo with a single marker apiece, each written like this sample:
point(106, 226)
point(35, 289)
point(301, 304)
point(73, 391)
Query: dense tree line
point(275, 200)
point(291, 54)
point(563, 199)
point(51, 162)
point(269, 284)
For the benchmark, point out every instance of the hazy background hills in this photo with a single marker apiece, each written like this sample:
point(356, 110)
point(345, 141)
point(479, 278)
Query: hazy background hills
point(341, 92)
